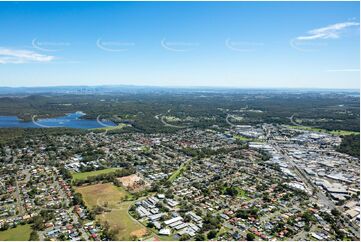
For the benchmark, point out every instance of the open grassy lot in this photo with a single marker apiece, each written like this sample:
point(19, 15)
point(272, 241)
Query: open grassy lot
point(109, 128)
point(334, 132)
point(242, 138)
point(20, 233)
point(343, 132)
point(85, 175)
point(101, 194)
point(118, 218)
point(240, 192)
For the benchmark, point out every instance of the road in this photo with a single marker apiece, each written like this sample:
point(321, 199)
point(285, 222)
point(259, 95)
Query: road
point(101, 123)
point(170, 125)
point(227, 120)
point(18, 197)
point(75, 218)
point(292, 121)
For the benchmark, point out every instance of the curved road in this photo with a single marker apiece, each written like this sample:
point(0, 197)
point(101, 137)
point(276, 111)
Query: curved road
point(229, 122)
point(292, 121)
point(41, 125)
point(167, 124)
point(101, 123)
point(170, 125)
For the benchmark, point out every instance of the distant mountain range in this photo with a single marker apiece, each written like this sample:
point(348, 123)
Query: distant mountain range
point(112, 89)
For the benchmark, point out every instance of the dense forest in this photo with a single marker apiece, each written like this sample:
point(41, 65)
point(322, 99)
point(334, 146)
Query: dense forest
point(327, 110)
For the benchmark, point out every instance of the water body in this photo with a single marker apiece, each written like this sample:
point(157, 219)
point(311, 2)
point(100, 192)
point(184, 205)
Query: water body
point(71, 120)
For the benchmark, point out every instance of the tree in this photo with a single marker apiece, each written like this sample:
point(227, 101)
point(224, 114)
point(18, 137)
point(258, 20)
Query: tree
point(4, 227)
point(308, 217)
point(212, 234)
point(38, 223)
point(251, 237)
point(231, 191)
point(184, 237)
point(199, 237)
point(34, 236)
point(78, 199)
point(350, 145)
point(150, 225)
point(335, 212)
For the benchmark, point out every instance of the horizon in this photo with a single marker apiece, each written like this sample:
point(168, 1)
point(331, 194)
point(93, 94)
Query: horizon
point(181, 87)
point(178, 44)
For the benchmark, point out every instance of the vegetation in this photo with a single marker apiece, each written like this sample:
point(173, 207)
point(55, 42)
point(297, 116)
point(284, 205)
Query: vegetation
point(19, 233)
point(212, 234)
point(233, 191)
point(329, 111)
point(86, 175)
point(243, 138)
point(105, 176)
point(335, 132)
point(211, 222)
point(206, 152)
point(245, 213)
point(350, 145)
point(78, 199)
point(34, 236)
point(114, 214)
point(40, 220)
point(179, 171)
point(18, 135)
point(104, 194)
point(250, 236)
point(111, 128)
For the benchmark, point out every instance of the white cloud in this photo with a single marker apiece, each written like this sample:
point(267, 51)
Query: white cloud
point(329, 32)
point(16, 56)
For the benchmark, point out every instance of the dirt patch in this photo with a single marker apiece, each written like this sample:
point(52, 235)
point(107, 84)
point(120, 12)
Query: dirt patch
point(139, 233)
point(133, 183)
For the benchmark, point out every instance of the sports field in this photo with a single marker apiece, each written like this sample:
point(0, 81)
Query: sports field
point(85, 175)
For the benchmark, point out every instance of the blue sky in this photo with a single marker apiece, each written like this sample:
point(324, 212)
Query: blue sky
point(229, 44)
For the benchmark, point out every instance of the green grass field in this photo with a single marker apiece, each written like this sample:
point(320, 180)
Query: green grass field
point(112, 197)
point(109, 128)
point(179, 171)
point(334, 132)
point(20, 233)
point(241, 193)
point(120, 220)
point(243, 138)
point(343, 132)
point(85, 175)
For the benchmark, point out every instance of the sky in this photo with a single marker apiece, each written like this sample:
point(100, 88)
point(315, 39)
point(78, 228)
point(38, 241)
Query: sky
point(223, 44)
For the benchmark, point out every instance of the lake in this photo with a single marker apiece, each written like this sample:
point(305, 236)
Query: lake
point(71, 120)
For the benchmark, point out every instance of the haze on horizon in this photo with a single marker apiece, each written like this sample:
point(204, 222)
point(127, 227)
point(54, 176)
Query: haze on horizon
point(180, 44)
